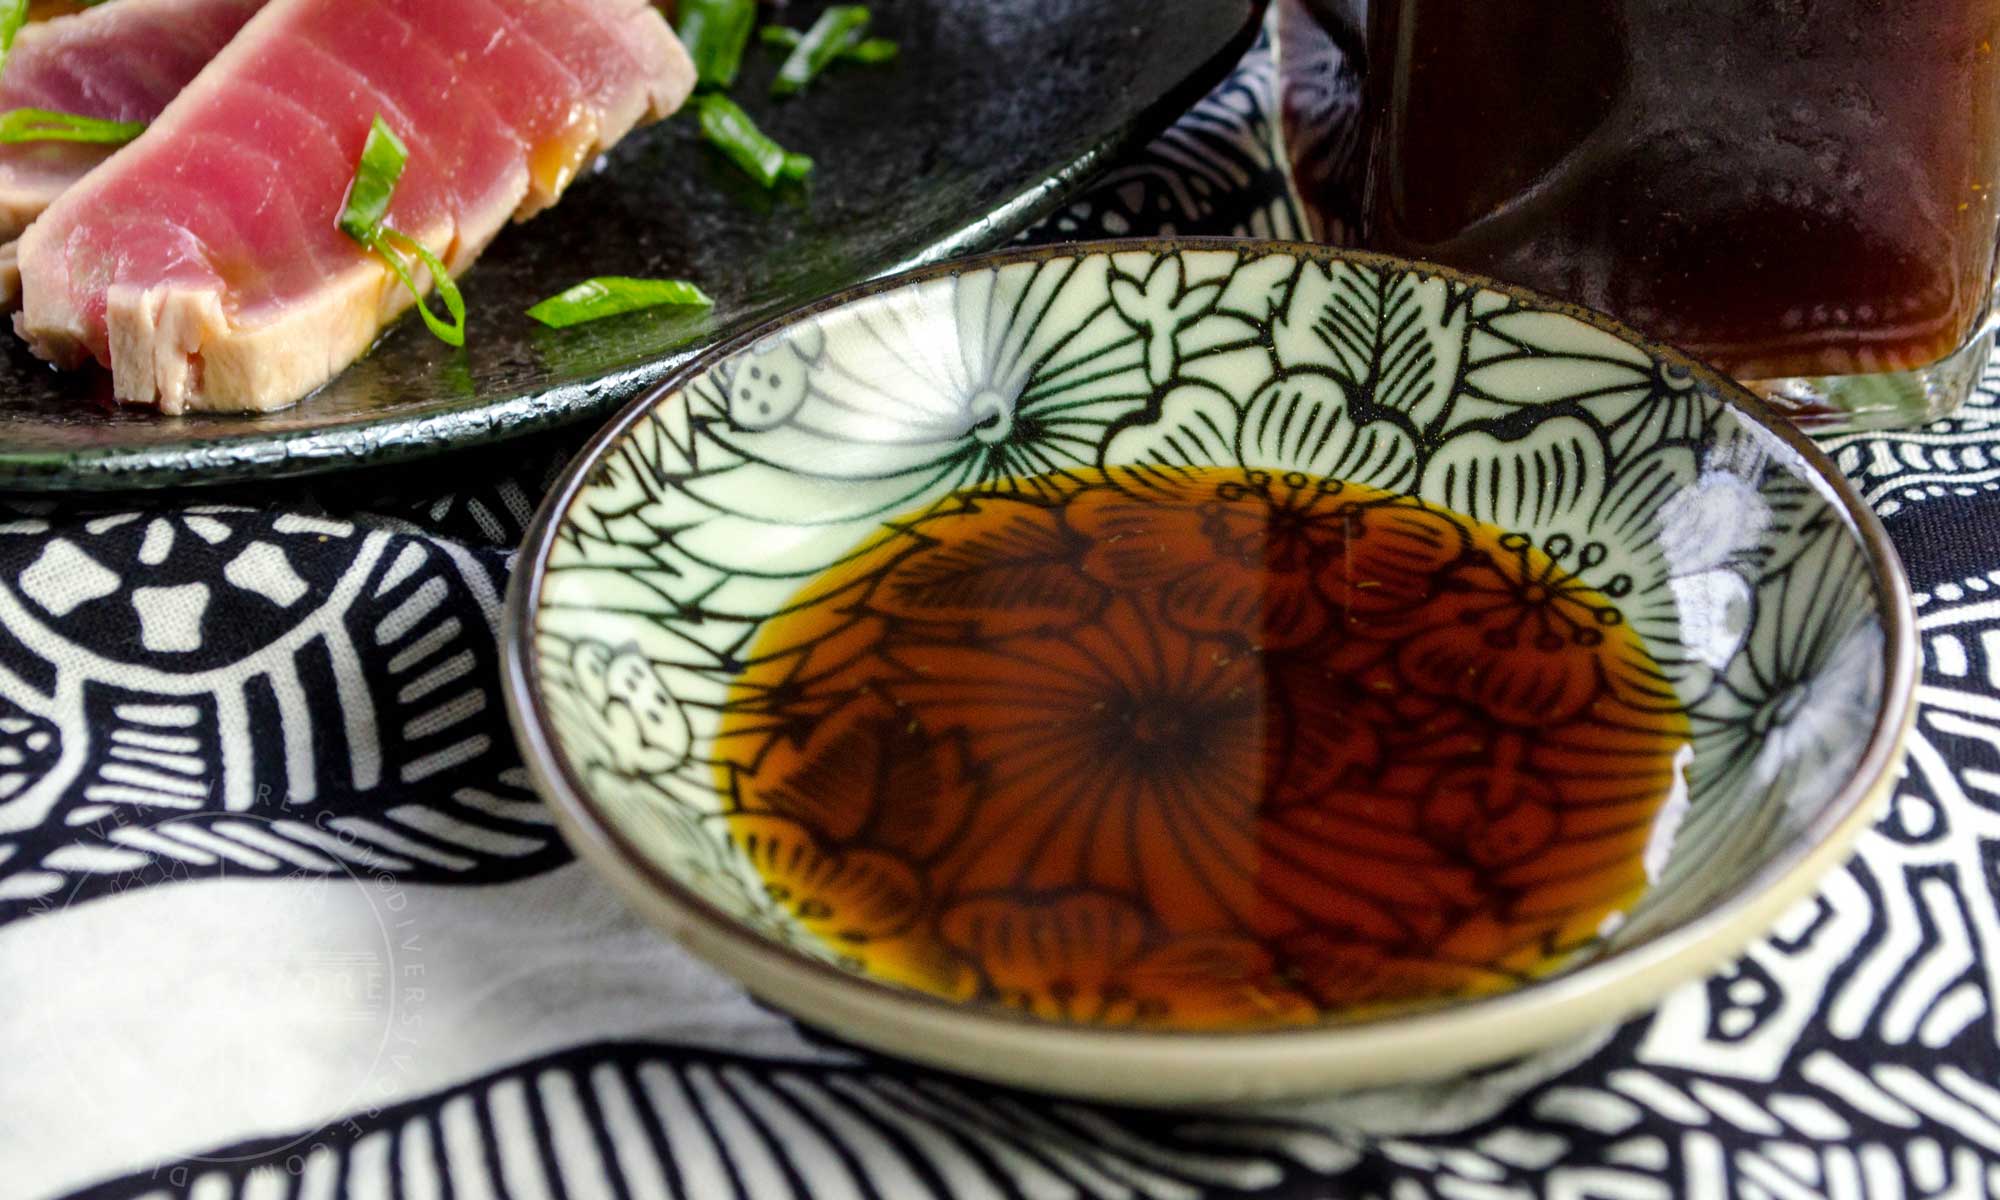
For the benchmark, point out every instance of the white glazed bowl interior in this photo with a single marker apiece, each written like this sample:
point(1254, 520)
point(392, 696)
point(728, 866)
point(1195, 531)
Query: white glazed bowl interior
point(1762, 586)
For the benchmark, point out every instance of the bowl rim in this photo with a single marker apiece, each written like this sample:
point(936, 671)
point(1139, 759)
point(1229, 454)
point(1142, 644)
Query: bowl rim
point(1807, 852)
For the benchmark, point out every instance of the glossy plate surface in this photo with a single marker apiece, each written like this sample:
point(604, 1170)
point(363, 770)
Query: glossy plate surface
point(986, 121)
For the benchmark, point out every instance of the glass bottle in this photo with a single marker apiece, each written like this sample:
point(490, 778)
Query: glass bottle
point(1800, 191)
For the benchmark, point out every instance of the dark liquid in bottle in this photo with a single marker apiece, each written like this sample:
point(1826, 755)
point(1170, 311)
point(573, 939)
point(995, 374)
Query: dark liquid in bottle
point(1229, 750)
point(1784, 188)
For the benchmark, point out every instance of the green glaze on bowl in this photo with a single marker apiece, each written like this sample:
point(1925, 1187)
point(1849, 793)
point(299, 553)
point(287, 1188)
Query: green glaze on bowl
point(1764, 589)
point(984, 122)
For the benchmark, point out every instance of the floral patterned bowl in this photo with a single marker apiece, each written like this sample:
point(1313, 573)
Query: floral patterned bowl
point(1766, 592)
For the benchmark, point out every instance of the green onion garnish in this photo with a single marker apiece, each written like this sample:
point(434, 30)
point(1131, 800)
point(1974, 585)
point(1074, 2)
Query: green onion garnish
point(451, 333)
point(871, 51)
point(874, 50)
point(610, 295)
point(44, 125)
point(41, 125)
point(383, 158)
point(13, 15)
point(715, 33)
point(749, 147)
point(836, 27)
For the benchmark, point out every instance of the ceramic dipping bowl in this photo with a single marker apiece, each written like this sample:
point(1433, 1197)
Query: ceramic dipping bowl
point(651, 694)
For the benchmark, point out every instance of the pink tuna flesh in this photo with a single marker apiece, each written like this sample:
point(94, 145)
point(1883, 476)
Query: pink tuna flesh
point(117, 62)
point(202, 263)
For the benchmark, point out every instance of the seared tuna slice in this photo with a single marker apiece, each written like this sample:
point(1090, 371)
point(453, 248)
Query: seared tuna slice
point(202, 263)
point(118, 62)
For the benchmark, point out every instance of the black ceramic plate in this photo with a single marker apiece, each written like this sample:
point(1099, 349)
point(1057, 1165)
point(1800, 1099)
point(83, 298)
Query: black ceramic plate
point(994, 112)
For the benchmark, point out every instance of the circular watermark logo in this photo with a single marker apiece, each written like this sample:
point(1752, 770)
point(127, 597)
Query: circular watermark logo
point(230, 972)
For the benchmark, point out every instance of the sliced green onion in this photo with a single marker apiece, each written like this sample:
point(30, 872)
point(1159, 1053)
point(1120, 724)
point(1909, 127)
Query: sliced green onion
point(715, 33)
point(13, 15)
point(735, 134)
point(871, 51)
point(874, 50)
point(610, 295)
point(41, 125)
point(451, 333)
point(362, 217)
point(44, 125)
point(829, 35)
point(383, 157)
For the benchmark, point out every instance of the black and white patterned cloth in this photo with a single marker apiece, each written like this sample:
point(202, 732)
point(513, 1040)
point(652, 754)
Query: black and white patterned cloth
point(279, 914)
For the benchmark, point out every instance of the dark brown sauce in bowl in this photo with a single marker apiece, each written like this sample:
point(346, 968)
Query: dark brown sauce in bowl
point(1221, 750)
